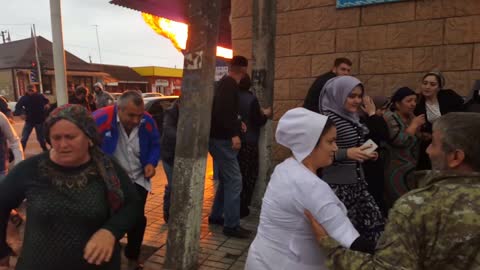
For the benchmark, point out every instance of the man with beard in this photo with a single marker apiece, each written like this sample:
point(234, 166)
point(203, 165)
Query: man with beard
point(435, 226)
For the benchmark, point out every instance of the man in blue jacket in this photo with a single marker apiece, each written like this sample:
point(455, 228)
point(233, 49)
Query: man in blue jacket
point(131, 136)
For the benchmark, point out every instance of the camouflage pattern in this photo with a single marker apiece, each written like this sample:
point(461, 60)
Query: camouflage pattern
point(436, 226)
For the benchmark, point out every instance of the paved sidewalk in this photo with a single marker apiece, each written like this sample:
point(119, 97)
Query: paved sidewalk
point(217, 250)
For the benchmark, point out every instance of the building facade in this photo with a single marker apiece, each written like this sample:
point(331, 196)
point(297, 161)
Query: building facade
point(167, 81)
point(391, 44)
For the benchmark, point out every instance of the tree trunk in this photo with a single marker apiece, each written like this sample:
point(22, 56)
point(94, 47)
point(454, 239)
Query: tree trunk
point(264, 29)
point(193, 135)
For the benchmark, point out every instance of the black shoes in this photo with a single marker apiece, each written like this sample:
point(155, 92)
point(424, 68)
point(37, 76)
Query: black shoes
point(213, 221)
point(244, 212)
point(237, 232)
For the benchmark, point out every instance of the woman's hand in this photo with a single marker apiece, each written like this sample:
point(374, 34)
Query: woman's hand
point(358, 153)
point(369, 106)
point(317, 229)
point(419, 121)
point(416, 123)
point(99, 248)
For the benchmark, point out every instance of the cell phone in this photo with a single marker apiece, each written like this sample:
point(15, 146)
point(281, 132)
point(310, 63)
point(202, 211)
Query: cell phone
point(373, 146)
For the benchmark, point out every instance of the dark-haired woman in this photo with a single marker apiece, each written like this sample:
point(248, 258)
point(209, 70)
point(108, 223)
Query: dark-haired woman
point(403, 144)
point(434, 102)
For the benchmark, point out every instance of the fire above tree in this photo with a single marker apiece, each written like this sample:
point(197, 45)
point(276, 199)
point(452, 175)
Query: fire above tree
point(177, 33)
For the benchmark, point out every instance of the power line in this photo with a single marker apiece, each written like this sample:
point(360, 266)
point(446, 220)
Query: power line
point(98, 44)
point(115, 51)
point(15, 24)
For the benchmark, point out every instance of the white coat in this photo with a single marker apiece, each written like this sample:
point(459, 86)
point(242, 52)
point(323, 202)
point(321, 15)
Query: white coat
point(284, 238)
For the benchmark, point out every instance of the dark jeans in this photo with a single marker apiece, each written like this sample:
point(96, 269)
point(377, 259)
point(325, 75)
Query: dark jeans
point(227, 197)
point(135, 235)
point(168, 190)
point(27, 130)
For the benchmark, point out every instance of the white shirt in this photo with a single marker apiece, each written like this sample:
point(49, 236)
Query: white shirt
point(284, 238)
point(127, 153)
point(433, 111)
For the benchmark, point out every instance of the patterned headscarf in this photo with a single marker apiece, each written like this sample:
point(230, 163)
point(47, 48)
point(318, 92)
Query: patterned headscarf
point(79, 116)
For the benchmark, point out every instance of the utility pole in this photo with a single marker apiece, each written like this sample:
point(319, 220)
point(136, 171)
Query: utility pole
point(39, 69)
point(263, 75)
point(193, 131)
point(4, 38)
point(98, 44)
point(58, 52)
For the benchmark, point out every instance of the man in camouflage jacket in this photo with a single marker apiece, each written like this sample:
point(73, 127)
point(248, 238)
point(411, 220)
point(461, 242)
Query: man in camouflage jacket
point(437, 225)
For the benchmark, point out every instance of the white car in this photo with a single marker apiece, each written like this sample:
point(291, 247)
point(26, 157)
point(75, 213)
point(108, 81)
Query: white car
point(151, 94)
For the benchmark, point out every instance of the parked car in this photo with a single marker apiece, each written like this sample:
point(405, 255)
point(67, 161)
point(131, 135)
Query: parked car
point(156, 106)
point(151, 94)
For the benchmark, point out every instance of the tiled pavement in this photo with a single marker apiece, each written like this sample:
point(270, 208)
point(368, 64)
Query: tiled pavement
point(216, 250)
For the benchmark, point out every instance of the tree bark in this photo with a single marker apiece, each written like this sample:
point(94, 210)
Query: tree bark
point(263, 75)
point(192, 135)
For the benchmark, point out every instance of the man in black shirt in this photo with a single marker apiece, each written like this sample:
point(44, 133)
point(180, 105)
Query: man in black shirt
point(342, 66)
point(223, 146)
point(35, 107)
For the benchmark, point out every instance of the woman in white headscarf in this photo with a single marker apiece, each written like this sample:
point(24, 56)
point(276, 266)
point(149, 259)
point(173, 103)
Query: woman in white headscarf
point(341, 100)
point(284, 238)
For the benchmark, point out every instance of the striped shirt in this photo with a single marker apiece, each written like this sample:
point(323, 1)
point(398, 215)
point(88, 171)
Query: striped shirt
point(344, 170)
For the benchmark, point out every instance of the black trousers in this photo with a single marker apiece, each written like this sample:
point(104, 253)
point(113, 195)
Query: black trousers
point(248, 161)
point(135, 235)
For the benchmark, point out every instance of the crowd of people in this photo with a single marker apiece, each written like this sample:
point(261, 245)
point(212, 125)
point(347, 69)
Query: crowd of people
point(372, 182)
point(92, 183)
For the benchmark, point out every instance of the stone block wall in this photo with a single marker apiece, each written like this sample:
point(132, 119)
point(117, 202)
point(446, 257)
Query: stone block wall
point(391, 45)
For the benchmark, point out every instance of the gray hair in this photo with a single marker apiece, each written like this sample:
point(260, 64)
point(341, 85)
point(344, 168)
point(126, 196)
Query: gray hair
point(461, 131)
point(130, 96)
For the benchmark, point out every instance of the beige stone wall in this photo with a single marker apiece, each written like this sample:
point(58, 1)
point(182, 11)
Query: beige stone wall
point(391, 45)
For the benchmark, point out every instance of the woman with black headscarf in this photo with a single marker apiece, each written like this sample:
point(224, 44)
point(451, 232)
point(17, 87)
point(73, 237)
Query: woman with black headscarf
point(434, 101)
point(403, 146)
point(80, 202)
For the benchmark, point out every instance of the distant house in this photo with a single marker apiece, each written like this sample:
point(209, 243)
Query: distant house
point(16, 68)
point(17, 60)
point(122, 78)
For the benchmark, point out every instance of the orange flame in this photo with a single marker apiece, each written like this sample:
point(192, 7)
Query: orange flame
point(177, 32)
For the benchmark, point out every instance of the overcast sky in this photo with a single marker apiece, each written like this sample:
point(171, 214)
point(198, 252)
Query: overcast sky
point(124, 37)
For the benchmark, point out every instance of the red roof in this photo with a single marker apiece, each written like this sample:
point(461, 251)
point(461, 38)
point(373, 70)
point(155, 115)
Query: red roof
point(176, 10)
